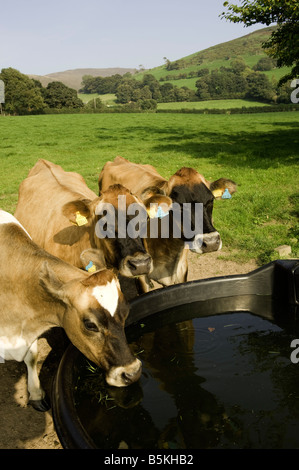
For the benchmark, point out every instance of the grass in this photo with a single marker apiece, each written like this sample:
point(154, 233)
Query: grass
point(258, 151)
point(211, 104)
point(108, 99)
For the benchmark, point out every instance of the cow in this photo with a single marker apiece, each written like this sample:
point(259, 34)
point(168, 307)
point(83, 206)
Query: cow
point(39, 291)
point(61, 213)
point(185, 186)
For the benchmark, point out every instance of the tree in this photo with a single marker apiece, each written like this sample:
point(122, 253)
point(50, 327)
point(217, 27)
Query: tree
point(283, 93)
point(264, 64)
point(167, 92)
point(259, 87)
point(283, 44)
point(154, 86)
point(203, 89)
point(88, 84)
point(238, 65)
point(57, 95)
point(22, 95)
point(203, 72)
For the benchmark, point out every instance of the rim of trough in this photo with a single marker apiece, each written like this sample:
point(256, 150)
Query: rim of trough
point(278, 279)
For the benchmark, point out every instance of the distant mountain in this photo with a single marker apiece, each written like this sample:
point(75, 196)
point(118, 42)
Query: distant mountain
point(73, 78)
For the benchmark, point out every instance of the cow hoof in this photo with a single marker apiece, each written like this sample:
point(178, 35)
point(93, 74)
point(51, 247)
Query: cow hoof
point(41, 405)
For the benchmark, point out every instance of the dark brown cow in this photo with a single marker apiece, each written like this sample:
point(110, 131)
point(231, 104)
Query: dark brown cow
point(39, 291)
point(185, 186)
point(60, 212)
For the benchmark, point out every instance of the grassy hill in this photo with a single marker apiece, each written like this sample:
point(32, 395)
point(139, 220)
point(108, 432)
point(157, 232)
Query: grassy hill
point(249, 47)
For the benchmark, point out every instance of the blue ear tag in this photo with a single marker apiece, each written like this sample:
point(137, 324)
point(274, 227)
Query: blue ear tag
point(226, 194)
point(90, 267)
point(160, 213)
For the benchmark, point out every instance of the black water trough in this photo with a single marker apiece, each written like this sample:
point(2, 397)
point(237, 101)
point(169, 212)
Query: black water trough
point(199, 316)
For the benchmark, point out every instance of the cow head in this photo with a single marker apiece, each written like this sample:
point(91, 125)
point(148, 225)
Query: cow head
point(188, 186)
point(117, 248)
point(94, 318)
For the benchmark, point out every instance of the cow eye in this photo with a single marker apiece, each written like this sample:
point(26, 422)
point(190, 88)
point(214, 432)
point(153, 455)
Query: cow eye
point(90, 325)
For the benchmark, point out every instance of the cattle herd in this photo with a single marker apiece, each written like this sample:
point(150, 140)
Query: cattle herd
point(61, 258)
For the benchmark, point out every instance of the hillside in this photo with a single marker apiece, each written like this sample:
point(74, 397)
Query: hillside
point(73, 78)
point(249, 47)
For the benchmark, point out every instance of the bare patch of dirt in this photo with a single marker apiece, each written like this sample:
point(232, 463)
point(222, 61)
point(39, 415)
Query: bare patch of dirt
point(24, 428)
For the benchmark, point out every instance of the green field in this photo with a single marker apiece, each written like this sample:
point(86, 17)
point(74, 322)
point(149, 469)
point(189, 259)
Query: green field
point(258, 151)
point(108, 99)
point(211, 104)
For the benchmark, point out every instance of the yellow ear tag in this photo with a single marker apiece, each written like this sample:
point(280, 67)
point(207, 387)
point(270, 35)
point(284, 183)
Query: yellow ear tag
point(90, 267)
point(81, 219)
point(217, 193)
point(151, 212)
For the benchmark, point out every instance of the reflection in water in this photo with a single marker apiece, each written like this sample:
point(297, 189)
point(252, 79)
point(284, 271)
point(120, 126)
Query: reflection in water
point(222, 381)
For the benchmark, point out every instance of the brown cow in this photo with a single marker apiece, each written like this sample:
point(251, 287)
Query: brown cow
point(39, 291)
point(60, 212)
point(185, 186)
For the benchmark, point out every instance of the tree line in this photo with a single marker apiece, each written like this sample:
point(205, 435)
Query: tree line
point(241, 82)
point(24, 95)
point(144, 94)
point(27, 96)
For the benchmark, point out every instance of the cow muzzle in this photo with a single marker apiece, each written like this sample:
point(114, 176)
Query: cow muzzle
point(206, 243)
point(137, 265)
point(123, 376)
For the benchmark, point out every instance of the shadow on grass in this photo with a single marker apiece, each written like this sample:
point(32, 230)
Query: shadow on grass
point(233, 149)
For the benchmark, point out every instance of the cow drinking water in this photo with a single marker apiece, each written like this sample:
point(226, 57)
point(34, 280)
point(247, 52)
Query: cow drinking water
point(38, 291)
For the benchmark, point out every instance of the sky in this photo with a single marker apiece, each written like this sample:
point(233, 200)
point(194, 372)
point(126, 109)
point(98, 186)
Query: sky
point(41, 37)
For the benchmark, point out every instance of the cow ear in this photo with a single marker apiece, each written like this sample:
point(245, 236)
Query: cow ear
point(50, 282)
point(78, 212)
point(93, 260)
point(223, 188)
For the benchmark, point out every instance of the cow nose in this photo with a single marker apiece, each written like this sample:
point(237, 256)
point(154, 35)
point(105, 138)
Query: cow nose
point(124, 375)
point(206, 243)
point(211, 242)
point(128, 378)
point(132, 374)
point(139, 265)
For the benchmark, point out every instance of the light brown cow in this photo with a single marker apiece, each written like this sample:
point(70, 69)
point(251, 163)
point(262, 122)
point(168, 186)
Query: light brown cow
point(60, 212)
point(185, 186)
point(39, 291)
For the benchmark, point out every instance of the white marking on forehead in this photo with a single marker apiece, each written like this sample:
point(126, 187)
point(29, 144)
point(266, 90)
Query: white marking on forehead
point(107, 296)
point(6, 218)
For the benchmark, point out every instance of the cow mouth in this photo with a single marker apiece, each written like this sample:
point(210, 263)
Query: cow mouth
point(122, 376)
point(205, 243)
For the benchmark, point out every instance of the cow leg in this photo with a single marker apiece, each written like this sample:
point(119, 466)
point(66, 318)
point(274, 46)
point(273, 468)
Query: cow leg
point(37, 397)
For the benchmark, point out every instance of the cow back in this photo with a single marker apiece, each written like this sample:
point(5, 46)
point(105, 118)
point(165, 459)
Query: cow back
point(136, 177)
point(41, 198)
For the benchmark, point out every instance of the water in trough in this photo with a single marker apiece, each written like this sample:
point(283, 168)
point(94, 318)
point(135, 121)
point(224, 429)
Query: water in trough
point(217, 381)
